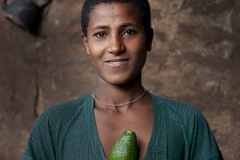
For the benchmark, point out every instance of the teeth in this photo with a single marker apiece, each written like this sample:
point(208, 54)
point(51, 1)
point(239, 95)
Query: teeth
point(117, 62)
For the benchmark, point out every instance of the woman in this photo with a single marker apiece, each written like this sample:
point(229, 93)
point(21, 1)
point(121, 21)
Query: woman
point(117, 35)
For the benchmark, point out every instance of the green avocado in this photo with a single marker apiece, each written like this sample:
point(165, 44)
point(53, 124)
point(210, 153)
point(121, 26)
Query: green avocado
point(125, 148)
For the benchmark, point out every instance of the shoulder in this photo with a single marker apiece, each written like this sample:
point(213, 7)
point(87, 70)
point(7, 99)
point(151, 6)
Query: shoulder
point(51, 126)
point(64, 113)
point(177, 111)
point(67, 108)
point(187, 122)
point(177, 107)
point(56, 119)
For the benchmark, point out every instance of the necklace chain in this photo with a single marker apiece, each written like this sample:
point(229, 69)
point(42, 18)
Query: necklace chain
point(123, 104)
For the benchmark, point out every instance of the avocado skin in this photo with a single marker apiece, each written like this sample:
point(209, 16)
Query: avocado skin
point(125, 148)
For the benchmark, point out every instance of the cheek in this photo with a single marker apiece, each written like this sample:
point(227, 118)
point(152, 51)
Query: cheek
point(96, 52)
point(138, 47)
point(96, 49)
point(140, 50)
point(140, 43)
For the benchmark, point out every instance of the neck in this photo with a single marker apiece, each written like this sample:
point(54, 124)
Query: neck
point(119, 94)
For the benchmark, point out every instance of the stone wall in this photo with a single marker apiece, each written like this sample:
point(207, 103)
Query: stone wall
point(195, 58)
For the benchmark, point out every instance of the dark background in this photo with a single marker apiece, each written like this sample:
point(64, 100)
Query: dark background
point(195, 58)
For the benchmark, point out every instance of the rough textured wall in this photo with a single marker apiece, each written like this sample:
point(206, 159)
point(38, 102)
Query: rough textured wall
point(195, 58)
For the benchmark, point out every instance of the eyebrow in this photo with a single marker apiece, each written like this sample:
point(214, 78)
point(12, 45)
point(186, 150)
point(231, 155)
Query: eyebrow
point(124, 25)
point(100, 27)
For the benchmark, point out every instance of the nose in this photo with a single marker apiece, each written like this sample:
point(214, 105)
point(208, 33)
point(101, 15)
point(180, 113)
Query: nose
point(116, 45)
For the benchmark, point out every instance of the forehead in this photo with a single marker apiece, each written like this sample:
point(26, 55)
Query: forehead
point(114, 11)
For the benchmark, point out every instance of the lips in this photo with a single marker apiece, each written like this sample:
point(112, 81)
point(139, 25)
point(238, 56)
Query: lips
point(117, 62)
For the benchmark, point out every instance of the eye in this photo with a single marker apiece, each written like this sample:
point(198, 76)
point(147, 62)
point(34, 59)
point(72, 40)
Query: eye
point(129, 32)
point(100, 34)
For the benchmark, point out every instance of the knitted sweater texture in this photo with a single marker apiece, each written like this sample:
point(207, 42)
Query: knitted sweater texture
point(68, 132)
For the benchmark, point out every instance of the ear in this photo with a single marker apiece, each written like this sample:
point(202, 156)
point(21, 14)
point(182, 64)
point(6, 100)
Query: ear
point(85, 41)
point(150, 34)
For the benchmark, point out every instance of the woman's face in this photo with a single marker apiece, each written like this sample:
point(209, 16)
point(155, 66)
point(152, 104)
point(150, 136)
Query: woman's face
point(116, 42)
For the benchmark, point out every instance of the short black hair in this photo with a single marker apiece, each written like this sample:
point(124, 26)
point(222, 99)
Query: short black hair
point(142, 5)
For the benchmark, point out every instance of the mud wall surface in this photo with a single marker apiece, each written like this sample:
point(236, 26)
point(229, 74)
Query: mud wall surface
point(195, 58)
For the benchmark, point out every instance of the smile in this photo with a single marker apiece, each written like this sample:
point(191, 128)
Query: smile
point(117, 62)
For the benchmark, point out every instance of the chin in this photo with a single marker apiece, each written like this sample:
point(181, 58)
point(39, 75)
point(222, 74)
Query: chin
point(121, 80)
point(117, 82)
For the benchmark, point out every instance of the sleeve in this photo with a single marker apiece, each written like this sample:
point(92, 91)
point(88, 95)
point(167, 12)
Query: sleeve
point(40, 144)
point(203, 143)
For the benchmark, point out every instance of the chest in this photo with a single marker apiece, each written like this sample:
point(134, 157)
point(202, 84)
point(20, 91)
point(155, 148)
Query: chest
point(112, 126)
point(86, 138)
point(86, 142)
